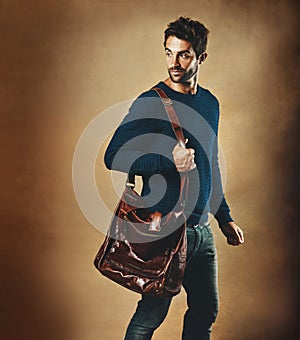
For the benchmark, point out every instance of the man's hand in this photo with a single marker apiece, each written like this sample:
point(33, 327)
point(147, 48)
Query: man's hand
point(183, 158)
point(233, 233)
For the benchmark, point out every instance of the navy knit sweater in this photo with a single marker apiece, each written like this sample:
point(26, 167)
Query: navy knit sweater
point(143, 143)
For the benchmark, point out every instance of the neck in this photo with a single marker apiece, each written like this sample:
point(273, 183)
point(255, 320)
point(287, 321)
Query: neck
point(186, 88)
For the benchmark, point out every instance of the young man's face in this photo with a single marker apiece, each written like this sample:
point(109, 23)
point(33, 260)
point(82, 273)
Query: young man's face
point(181, 59)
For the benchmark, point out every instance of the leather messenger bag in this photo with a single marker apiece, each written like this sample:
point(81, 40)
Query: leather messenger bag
point(144, 251)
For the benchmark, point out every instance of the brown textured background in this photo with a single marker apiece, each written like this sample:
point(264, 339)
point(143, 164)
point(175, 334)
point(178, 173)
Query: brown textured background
point(63, 62)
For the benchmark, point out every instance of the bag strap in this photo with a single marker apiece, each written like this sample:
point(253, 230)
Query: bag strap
point(168, 105)
point(177, 128)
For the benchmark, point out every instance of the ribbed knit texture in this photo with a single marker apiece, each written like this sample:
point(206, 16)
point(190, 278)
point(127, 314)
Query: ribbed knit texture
point(143, 144)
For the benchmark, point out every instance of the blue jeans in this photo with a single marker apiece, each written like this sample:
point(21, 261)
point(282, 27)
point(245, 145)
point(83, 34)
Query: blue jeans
point(200, 284)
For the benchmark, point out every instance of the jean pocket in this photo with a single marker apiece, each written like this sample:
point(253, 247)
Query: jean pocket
point(191, 244)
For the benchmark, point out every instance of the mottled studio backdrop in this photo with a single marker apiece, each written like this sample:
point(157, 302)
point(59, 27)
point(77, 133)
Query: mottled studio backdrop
point(62, 63)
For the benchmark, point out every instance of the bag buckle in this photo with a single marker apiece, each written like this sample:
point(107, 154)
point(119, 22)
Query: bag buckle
point(155, 224)
point(167, 101)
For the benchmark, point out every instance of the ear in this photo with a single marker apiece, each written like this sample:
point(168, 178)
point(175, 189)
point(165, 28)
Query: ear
point(202, 57)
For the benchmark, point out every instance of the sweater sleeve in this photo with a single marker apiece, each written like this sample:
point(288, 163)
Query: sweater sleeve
point(132, 148)
point(218, 204)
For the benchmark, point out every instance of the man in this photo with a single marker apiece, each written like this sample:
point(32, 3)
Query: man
point(144, 145)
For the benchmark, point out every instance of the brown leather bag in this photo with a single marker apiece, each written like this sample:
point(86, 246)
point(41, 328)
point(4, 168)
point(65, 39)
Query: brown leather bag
point(144, 251)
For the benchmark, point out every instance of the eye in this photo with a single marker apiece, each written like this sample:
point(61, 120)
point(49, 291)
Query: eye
point(168, 53)
point(185, 56)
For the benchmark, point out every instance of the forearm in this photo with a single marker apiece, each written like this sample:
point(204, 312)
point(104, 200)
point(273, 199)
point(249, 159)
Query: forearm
point(137, 162)
point(219, 206)
point(132, 149)
point(223, 213)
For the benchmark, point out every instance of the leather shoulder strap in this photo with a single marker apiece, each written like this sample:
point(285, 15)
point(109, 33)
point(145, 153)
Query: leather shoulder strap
point(168, 104)
point(177, 128)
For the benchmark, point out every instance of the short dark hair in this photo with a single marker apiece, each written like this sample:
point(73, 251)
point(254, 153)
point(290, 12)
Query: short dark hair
point(189, 30)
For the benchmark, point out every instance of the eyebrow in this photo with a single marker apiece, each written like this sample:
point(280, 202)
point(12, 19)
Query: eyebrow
point(180, 52)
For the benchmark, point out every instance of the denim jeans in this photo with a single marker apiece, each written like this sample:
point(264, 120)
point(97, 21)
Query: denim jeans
point(200, 284)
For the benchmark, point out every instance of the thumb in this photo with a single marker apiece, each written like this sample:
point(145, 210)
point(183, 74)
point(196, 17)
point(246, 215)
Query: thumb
point(183, 144)
point(241, 236)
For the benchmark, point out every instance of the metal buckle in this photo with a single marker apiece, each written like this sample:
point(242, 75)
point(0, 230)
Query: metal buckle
point(167, 101)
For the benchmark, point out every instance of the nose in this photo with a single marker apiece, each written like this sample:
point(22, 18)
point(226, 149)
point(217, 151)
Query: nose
point(175, 61)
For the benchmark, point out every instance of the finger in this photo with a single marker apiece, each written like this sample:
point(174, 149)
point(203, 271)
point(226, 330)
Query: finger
point(186, 167)
point(181, 166)
point(233, 242)
point(240, 236)
point(193, 166)
point(175, 148)
point(230, 241)
point(182, 144)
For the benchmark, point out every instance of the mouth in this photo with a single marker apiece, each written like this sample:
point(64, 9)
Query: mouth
point(176, 72)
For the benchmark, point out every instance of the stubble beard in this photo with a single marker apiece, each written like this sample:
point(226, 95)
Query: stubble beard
point(185, 76)
point(177, 79)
